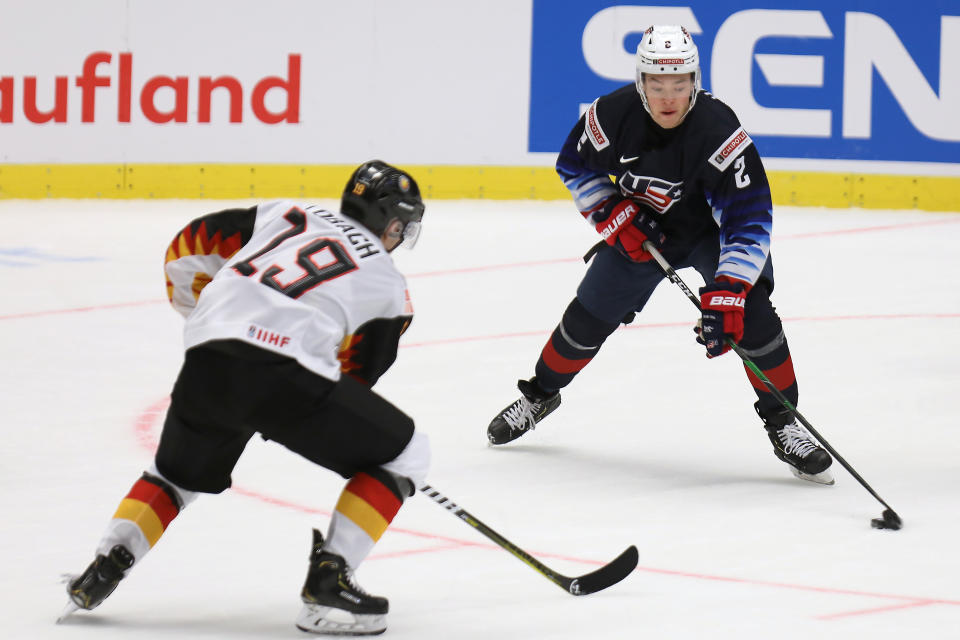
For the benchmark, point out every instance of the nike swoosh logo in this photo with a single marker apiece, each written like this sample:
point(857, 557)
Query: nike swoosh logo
point(626, 160)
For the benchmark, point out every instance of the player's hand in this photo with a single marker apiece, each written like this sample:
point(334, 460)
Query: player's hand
point(626, 228)
point(722, 316)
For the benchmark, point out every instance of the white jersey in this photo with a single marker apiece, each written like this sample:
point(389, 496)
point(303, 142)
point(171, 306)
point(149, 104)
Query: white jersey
point(306, 283)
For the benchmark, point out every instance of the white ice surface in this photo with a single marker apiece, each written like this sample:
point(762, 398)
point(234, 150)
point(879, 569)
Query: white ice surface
point(653, 445)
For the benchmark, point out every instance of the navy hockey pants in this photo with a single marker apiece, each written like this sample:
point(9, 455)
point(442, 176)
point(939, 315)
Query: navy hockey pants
point(614, 287)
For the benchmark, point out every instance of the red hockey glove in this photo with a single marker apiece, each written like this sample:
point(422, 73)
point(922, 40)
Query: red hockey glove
point(627, 229)
point(722, 316)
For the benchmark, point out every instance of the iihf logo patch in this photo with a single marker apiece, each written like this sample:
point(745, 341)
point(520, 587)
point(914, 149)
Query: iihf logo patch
point(657, 194)
point(268, 337)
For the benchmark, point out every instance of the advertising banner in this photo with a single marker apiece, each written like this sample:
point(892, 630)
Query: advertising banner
point(847, 79)
point(289, 81)
point(224, 98)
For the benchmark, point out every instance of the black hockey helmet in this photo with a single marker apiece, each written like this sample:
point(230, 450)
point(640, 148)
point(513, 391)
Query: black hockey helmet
point(378, 193)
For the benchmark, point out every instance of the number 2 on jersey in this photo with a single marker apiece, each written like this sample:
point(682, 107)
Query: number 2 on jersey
point(319, 260)
point(742, 178)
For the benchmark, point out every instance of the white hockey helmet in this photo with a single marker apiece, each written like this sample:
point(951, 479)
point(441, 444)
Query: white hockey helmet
point(667, 49)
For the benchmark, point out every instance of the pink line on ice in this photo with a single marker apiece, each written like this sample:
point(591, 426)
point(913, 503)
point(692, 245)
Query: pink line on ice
point(514, 265)
point(146, 424)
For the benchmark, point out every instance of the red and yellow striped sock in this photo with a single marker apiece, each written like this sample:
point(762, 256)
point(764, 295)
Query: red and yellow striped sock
point(151, 505)
point(366, 508)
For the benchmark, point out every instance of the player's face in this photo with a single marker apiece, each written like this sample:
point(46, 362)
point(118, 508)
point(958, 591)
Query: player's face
point(668, 97)
point(392, 236)
point(397, 233)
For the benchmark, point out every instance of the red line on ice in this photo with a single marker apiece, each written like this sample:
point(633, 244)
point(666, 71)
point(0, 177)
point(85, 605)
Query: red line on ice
point(145, 426)
point(515, 265)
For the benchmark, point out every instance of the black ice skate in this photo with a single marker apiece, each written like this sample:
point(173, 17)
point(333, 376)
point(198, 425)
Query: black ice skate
point(92, 587)
point(333, 603)
point(794, 445)
point(524, 414)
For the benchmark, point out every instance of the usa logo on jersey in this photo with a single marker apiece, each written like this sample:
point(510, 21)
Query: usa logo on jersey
point(657, 194)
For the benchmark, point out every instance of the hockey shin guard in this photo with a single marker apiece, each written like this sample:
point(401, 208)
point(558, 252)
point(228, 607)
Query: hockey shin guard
point(144, 514)
point(572, 345)
point(773, 359)
point(366, 508)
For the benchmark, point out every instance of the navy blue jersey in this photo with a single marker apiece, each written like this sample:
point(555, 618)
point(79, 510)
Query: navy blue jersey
point(701, 177)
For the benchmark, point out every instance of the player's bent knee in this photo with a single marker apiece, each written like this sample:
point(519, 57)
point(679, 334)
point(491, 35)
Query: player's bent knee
point(413, 462)
point(584, 327)
point(761, 324)
point(185, 496)
point(191, 479)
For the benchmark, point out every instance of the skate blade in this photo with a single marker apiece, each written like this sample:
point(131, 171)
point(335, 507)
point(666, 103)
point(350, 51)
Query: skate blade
point(824, 477)
point(337, 622)
point(67, 611)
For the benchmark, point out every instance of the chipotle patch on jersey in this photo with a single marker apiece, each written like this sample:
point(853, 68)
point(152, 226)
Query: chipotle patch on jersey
point(732, 147)
point(593, 130)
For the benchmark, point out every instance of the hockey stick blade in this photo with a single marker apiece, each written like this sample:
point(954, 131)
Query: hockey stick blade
point(606, 576)
point(890, 519)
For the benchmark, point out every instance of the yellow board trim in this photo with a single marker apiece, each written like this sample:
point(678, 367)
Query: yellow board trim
point(362, 514)
point(865, 190)
point(232, 181)
point(143, 516)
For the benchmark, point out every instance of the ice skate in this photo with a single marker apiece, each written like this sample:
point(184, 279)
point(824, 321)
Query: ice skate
point(795, 446)
point(333, 603)
point(524, 414)
point(92, 587)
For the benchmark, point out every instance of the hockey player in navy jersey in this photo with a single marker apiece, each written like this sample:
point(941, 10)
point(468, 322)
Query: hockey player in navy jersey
point(292, 314)
point(686, 178)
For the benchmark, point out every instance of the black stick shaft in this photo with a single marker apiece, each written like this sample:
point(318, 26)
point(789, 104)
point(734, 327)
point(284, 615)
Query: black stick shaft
point(677, 280)
point(607, 575)
point(462, 513)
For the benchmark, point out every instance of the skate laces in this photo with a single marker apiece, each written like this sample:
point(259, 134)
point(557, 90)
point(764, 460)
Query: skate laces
point(520, 415)
point(351, 580)
point(796, 440)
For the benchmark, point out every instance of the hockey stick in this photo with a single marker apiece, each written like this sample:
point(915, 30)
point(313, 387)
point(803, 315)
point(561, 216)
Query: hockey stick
point(606, 576)
point(889, 519)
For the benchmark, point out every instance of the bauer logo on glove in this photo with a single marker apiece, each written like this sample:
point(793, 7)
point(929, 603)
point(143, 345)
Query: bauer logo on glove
point(722, 306)
point(625, 228)
point(612, 227)
point(727, 301)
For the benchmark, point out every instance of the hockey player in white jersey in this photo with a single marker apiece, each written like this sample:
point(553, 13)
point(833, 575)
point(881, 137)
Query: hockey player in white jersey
point(292, 314)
